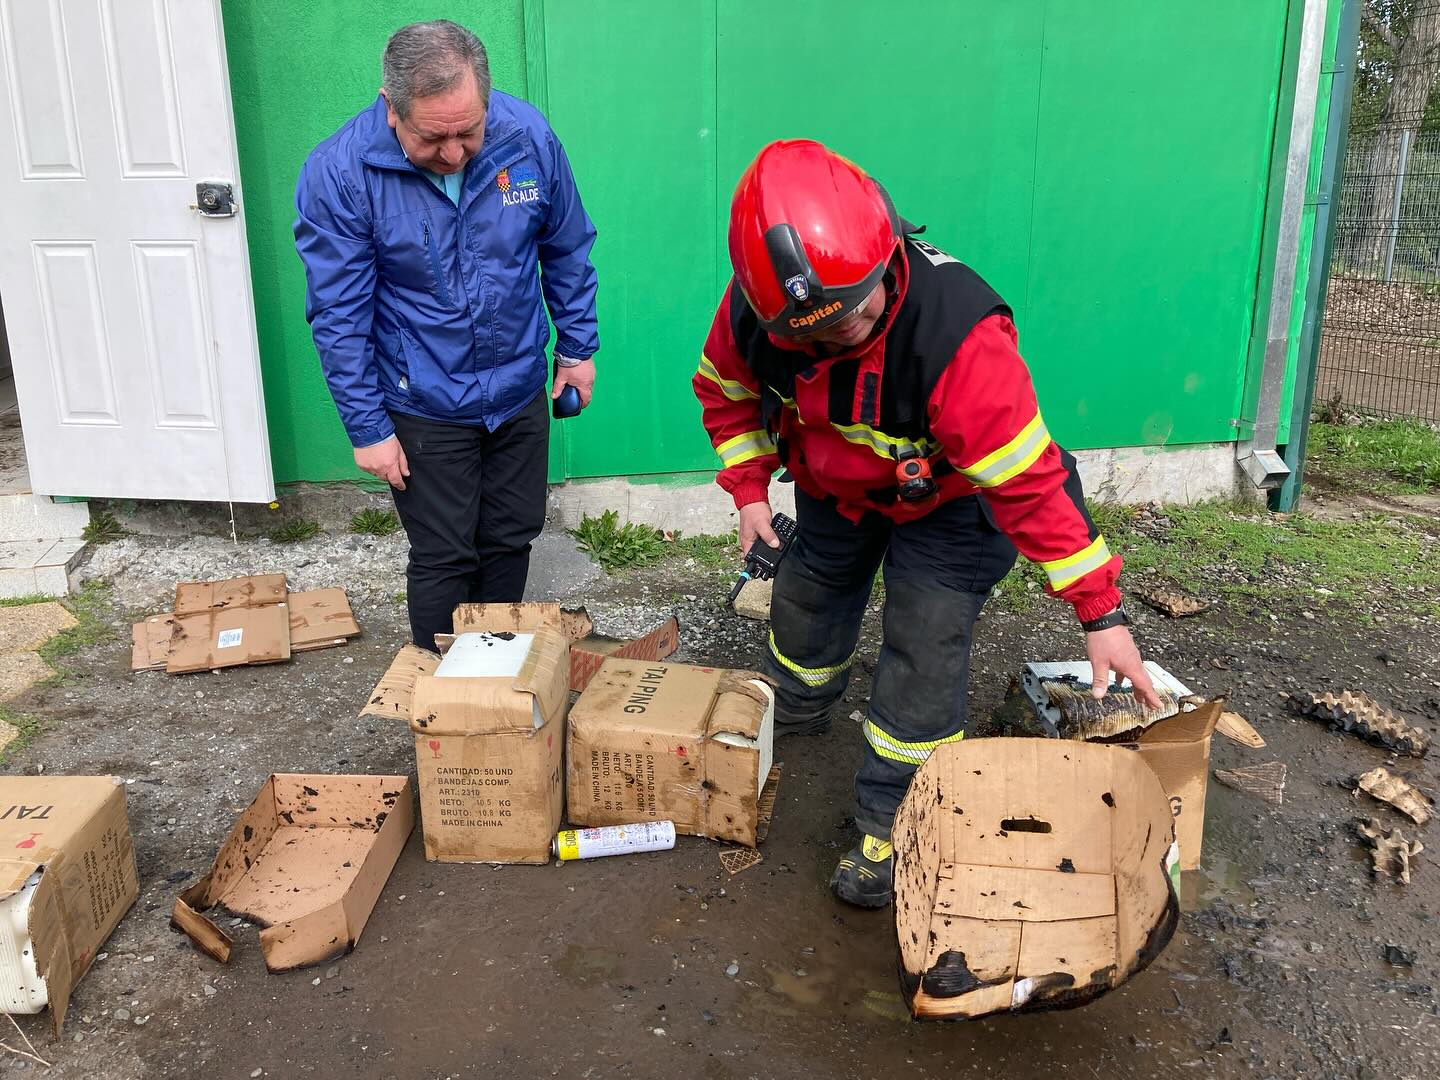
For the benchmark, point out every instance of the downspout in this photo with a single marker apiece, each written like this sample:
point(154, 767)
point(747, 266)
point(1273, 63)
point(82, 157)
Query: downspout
point(1337, 131)
point(1257, 455)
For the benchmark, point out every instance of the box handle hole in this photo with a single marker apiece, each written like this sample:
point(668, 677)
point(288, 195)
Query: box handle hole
point(1028, 824)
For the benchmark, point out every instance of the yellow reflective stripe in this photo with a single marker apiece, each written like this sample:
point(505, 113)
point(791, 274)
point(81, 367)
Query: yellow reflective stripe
point(742, 448)
point(1067, 571)
point(809, 676)
point(1012, 459)
point(735, 391)
point(887, 446)
point(911, 753)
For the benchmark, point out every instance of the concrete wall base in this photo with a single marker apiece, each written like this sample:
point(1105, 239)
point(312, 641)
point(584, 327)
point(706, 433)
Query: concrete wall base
point(694, 504)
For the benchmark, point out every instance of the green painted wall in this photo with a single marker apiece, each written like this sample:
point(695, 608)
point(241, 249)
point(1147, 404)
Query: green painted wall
point(1105, 163)
point(297, 72)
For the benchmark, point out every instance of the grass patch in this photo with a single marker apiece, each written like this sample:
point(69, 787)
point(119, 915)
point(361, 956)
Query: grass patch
point(295, 530)
point(102, 528)
point(619, 547)
point(373, 522)
point(1242, 552)
point(712, 552)
point(1398, 456)
point(26, 727)
point(91, 608)
point(26, 601)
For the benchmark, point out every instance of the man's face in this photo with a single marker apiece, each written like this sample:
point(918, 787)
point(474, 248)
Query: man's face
point(443, 131)
point(854, 327)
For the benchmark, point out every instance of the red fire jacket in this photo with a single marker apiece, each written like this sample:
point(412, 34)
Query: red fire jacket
point(982, 414)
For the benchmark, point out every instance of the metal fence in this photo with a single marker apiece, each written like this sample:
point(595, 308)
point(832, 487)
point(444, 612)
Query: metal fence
point(1380, 343)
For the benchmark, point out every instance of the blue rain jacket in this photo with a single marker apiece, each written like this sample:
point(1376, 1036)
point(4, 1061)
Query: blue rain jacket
point(421, 306)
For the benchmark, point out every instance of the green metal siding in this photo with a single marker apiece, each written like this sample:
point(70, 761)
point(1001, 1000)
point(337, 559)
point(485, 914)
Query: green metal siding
point(1105, 163)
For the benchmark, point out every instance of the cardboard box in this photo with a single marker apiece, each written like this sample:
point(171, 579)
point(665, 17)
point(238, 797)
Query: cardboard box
point(655, 741)
point(588, 650)
point(306, 861)
point(1176, 748)
point(1030, 874)
point(220, 624)
point(489, 741)
point(67, 877)
point(319, 619)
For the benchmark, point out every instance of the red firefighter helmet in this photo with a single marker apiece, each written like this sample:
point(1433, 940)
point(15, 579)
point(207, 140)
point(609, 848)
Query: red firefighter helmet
point(810, 236)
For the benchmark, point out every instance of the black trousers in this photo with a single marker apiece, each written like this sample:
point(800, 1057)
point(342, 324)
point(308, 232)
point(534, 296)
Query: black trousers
point(939, 570)
point(472, 504)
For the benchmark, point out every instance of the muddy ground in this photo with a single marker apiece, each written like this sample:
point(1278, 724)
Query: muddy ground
point(619, 967)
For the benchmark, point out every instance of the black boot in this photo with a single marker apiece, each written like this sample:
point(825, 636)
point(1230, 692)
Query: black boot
point(866, 876)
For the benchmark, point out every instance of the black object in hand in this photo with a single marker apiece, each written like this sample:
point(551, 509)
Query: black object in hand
point(763, 561)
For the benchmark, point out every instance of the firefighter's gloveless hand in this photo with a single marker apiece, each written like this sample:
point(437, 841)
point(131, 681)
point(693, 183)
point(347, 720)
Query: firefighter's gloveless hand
point(755, 521)
point(1113, 649)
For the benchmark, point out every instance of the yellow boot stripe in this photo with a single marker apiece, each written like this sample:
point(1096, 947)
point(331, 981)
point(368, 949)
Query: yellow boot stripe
point(875, 849)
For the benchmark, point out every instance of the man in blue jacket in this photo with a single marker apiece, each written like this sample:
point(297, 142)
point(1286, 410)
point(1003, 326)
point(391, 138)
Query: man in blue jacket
point(424, 225)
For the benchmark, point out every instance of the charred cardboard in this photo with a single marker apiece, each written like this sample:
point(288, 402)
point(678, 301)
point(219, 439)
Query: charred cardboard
point(220, 624)
point(67, 877)
point(588, 650)
point(655, 741)
point(319, 619)
point(306, 862)
point(1030, 874)
point(488, 749)
point(1176, 748)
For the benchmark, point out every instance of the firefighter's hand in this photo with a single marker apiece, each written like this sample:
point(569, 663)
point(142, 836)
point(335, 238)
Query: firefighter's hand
point(581, 376)
point(385, 460)
point(755, 521)
point(1113, 649)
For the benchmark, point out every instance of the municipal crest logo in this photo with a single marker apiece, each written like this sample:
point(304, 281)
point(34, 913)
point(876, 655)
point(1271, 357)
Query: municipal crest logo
point(517, 184)
point(798, 287)
point(502, 180)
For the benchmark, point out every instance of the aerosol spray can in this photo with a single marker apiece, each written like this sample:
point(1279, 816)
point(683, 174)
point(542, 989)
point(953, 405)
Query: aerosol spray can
point(614, 840)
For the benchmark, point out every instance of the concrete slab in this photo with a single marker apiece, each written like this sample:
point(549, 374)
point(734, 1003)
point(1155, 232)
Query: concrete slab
point(19, 672)
point(25, 628)
point(36, 517)
point(558, 569)
point(15, 583)
point(23, 554)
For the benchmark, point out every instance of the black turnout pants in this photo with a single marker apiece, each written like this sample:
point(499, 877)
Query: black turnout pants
point(472, 504)
point(939, 570)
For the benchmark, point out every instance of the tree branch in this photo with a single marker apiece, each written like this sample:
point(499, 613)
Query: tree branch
point(1377, 25)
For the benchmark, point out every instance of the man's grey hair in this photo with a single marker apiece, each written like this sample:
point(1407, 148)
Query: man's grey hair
point(427, 58)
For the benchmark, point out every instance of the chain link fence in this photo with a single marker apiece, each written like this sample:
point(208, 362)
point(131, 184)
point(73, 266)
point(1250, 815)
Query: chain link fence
point(1380, 349)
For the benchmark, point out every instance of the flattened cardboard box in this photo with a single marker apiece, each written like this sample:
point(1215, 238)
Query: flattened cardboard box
point(319, 619)
point(655, 741)
point(588, 650)
point(306, 862)
point(220, 624)
point(1030, 874)
point(488, 750)
point(67, 877)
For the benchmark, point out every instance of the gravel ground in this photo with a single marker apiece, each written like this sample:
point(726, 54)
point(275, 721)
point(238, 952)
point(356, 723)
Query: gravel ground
point(661, 966)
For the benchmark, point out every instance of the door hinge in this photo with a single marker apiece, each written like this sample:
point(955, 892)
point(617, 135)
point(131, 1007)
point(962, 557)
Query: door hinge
point(215, 199)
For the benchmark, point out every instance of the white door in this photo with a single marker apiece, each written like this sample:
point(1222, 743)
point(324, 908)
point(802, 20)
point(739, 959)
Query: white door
point(129, 311)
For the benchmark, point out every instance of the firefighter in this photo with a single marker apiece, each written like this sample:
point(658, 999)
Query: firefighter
point(883, 375)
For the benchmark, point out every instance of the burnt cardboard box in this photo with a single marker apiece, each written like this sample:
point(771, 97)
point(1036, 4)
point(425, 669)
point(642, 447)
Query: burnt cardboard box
point(1176, 748)
point(306, 862)
point(220, 624)
point(1030, 874)
point(588, 650)
point(651, 741)
point(67, 877)
point(489, 726)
